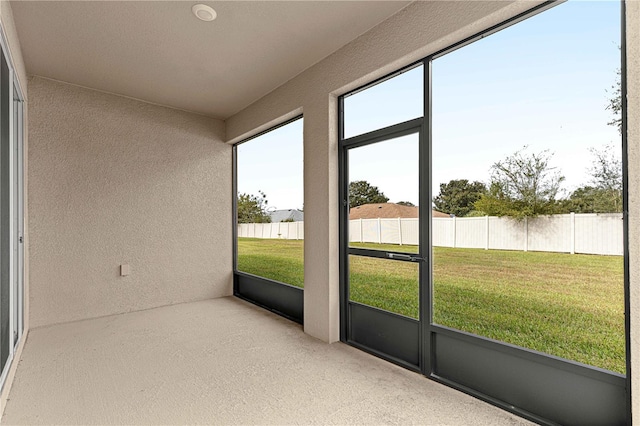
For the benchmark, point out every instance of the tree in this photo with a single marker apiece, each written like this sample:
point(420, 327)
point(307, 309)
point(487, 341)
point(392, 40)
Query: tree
point(604, 192)
point(362, 192)
point(458, 196)
point(405, 203)
point(606, 170)
point(522, 185)
point(615, 103)
point(588, 199)
point(253, 208)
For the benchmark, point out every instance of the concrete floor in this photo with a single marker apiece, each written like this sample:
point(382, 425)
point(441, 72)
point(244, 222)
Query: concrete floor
point(220, 361)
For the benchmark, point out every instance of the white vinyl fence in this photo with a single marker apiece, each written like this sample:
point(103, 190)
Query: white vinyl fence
point(568, 233)
point(284, 230)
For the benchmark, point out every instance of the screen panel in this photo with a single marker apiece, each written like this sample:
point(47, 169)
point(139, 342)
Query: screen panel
point(527, 162)
point(383, 195)
point(395, 100)
point(270, 205)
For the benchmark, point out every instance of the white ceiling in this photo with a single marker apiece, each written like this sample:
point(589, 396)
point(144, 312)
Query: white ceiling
point(159, 52)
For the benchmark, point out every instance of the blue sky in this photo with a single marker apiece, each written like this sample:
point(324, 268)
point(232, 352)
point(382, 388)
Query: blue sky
point(272, 163)
point(543, 83)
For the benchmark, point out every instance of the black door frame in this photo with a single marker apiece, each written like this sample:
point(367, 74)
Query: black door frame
point(391, 336)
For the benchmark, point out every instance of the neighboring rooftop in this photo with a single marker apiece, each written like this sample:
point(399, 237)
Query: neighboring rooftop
point(435, 213)
point(387, 210)
point(282, 215)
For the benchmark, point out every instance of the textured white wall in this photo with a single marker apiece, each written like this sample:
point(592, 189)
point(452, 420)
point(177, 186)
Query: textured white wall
point(113, 181)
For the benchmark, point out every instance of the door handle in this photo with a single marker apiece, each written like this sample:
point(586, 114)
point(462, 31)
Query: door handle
point(405, 257)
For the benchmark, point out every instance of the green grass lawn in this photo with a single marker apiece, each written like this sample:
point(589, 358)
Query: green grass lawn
point(571, 306)
point(280, 260)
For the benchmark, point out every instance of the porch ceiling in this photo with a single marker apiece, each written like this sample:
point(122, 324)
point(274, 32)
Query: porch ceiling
point(159, 52)
point(220, 361)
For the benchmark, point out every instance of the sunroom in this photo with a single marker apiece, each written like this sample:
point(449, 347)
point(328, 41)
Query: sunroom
point(319, 212)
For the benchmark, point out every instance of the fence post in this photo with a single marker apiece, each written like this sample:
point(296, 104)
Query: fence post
point(526, 233)
point(400, 230)
point(361, 234)
point(453, 231)
point(572, 217)
point(486, 242)
point(379, 231)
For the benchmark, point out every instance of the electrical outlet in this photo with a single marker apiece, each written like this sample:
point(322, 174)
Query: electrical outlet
point(125, 270)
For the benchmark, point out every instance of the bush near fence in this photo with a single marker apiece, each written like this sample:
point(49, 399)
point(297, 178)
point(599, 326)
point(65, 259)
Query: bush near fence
point(594, 233)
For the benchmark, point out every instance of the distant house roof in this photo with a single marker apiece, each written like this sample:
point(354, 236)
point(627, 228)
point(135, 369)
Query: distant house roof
point(387, 210)
point(280, 215)
point(435, 213)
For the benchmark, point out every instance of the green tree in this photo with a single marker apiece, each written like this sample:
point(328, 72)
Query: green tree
point(522, 185)
point(615, 103)
point(604, 192)
point(405, 203)
point(362, 192)
point(253, 208)
point(458, 196)
point(606, 170)
point(588, 199)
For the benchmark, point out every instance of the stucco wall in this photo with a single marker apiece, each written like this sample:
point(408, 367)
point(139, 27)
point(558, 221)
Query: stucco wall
point(116, 181)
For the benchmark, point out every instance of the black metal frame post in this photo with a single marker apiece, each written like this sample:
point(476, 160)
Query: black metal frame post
point(426, 278)
point(625, 198)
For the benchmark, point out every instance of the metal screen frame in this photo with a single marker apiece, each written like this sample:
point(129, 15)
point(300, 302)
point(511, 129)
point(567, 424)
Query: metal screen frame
point(13, 165)
point(502, 374)
point(281, 298)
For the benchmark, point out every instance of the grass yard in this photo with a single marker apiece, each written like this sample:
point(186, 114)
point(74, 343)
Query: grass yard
point(279, 260)
point(571, 306)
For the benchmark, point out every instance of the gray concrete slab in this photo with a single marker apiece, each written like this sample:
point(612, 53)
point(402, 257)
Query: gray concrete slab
point(221, 361)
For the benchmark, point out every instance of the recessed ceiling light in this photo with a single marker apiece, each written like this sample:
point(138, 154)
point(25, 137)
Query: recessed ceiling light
point(204, 12)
